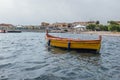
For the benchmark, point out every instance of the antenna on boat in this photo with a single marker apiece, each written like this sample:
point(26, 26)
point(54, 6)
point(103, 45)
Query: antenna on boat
point(47, 31)
point(100, 37)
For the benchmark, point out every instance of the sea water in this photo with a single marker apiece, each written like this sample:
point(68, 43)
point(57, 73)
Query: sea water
point(25, 56)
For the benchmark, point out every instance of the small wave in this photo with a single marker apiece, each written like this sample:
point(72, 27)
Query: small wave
point(8, 57)
point(49, 77)
point(53, 70)
point(5, 47)
point(36, 62)
point(104, 68)
point(1, 58)
point(35, 67)
point(5, 65)
point(4, 79)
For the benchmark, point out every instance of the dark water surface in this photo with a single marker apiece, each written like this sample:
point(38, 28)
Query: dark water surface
point(25, 56)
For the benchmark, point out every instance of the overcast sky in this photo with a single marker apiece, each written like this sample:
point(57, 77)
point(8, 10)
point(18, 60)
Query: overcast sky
point(36, 11)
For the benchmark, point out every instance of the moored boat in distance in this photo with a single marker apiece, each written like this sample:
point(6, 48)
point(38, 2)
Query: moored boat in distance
point(14, 31)
point(78, 44)
point(10, 31)
point(2, 31)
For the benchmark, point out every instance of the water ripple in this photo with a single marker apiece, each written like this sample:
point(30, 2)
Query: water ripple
point(49, 77)
point(35, 67)
point(7, 65)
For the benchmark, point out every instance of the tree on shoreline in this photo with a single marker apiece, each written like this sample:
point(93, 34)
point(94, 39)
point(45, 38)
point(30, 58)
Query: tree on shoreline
point(112, 26)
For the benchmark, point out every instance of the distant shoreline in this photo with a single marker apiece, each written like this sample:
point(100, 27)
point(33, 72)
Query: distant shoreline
point(103, 33)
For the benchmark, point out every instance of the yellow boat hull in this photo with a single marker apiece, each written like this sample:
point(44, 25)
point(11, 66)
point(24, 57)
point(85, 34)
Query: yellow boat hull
point(76, 45)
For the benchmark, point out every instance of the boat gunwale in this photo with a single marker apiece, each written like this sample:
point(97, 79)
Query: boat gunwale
point(50, 37)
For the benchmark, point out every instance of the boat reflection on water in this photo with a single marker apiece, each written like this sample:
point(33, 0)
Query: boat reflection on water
point(85, 52)
point(57, 50)
point(77, 55)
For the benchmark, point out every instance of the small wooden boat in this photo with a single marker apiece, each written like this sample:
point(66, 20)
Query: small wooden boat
point(2, 31)
point(10, 31)
point(14, 31)
point(69, 43)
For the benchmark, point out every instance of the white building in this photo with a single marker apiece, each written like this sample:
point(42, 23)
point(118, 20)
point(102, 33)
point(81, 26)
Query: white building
point(79, 28)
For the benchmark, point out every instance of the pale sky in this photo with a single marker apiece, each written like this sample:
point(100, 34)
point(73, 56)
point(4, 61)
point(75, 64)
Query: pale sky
point(36, 11)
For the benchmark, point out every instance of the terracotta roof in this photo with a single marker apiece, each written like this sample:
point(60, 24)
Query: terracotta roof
point(6, 24)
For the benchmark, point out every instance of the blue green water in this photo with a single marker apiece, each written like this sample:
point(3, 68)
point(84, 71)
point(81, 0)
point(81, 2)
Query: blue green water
point(25, 56)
